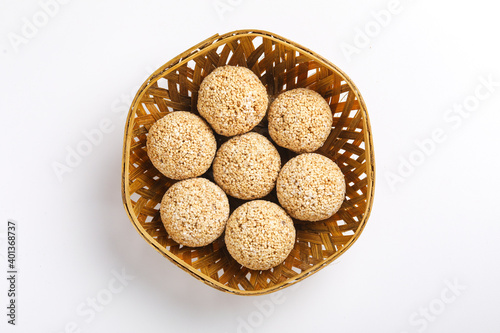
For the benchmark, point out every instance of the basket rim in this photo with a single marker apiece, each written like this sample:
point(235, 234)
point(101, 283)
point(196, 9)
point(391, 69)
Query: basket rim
point(201, 48)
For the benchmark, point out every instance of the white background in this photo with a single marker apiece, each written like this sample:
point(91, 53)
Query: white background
point(437, 226)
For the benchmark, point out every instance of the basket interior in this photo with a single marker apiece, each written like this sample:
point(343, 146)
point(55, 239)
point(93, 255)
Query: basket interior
point(281, 66)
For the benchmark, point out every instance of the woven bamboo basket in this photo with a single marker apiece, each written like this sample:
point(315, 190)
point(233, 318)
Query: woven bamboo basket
point(281, 65)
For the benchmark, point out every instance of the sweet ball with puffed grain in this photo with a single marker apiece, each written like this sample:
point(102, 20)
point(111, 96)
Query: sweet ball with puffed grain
point(259, 235)
point(300, 120)
point(232, 100)
point(194, 212)
point(311, 187)
point(181, 145)
point(247, 166)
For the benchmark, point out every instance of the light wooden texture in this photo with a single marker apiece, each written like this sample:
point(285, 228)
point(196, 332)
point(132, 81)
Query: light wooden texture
point(281, 65)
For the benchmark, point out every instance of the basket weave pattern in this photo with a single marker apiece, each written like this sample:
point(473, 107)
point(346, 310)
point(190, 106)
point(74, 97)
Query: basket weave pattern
point(281, 65)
